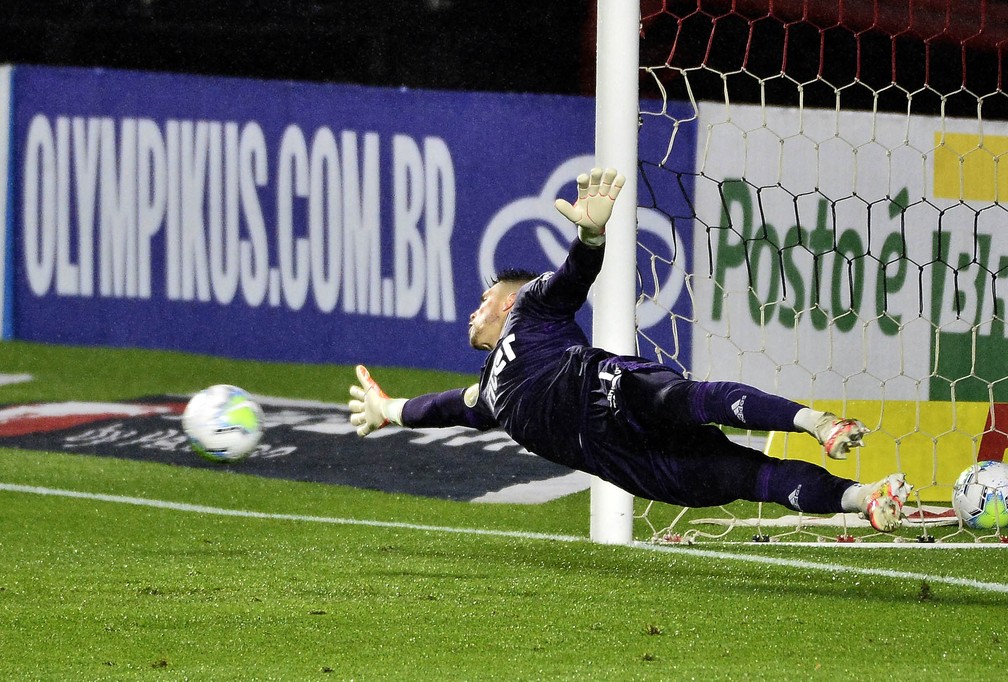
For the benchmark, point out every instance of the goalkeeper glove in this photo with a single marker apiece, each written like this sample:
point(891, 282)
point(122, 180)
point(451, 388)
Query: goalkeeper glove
point(370, 408)
point(596, 194)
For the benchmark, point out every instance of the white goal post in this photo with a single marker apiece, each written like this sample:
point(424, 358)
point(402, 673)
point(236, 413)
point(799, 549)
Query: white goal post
point(5, 117)
point(614, 295)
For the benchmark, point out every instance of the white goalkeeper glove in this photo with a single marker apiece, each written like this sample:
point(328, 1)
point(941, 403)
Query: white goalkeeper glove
point(370, 408)
point(597, 192)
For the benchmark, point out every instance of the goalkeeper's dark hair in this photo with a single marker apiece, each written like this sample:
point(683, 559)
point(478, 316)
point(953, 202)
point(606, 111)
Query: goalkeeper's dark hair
point(513, 276)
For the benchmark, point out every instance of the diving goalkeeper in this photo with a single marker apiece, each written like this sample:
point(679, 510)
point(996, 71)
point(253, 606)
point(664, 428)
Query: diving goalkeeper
point(630, 421)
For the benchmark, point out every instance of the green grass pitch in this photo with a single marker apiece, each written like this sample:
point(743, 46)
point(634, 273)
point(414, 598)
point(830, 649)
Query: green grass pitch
point(93, 588)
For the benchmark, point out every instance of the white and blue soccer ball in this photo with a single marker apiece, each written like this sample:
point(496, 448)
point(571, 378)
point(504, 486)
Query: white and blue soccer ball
point(980, 496)
point(223, 423)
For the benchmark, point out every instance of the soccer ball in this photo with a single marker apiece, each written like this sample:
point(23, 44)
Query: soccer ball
point(980, 496)
point(223, 423)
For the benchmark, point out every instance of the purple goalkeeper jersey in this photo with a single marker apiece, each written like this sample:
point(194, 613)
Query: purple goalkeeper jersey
point(536, 383)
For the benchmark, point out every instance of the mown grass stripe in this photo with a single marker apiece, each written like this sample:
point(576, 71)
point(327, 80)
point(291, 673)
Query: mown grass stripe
point(800, 564)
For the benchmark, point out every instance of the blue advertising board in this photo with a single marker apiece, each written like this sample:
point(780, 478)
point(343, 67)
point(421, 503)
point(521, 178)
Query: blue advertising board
point(283, 221)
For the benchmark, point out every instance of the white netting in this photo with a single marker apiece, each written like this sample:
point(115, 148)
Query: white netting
point(827, 179)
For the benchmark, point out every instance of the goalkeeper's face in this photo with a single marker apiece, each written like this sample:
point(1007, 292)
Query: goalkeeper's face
point(487, 321)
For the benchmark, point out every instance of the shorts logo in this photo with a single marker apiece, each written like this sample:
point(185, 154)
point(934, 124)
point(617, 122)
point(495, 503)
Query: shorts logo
point(738, 410)
point(613, 379)
point(793, 497)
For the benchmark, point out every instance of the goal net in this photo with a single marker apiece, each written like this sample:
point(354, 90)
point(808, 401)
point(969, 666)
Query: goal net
point(826, 220)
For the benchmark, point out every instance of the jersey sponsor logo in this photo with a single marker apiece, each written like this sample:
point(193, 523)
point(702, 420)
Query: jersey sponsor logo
point(504, 354)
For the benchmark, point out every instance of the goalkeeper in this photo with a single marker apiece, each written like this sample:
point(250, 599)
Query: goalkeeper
point(635, 423)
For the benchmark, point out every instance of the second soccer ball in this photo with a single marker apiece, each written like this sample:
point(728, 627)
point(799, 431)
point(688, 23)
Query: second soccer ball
point(980, 496)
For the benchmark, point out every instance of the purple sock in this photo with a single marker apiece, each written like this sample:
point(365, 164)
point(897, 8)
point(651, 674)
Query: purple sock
point(801, 486)
point(733, 404)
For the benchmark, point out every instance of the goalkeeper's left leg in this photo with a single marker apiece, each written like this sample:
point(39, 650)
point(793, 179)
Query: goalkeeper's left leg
point(660, 398)
point(656, 398)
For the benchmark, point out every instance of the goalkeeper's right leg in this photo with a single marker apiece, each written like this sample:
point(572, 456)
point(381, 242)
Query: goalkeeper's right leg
point(881, 502)
point(702, 467)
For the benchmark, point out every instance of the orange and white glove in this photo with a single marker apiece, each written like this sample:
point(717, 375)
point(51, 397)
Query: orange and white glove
point(370, 408)
point(597, 192)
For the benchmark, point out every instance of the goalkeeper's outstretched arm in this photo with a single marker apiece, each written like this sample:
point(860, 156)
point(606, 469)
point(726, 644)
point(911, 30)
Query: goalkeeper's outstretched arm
point(371, 409)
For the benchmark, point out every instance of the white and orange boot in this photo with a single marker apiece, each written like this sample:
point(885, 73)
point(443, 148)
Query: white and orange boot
point(882, 502)
point(839, 435)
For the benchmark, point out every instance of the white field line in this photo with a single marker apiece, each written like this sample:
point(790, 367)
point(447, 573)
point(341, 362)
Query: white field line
point(218, 511)
point(671, 549)
point(833, 568)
